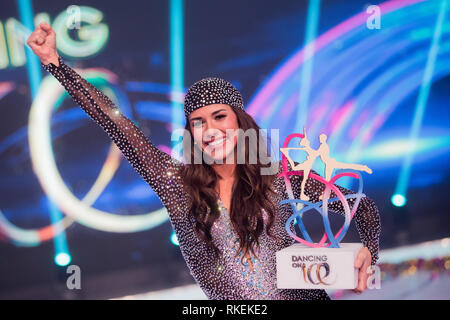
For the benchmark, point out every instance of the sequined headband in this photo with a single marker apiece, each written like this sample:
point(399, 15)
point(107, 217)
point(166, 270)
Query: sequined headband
point(210, 91)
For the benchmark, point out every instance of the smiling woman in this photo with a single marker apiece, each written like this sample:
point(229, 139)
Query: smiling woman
point(214, 129)
point(227, 216)
point(227, 179)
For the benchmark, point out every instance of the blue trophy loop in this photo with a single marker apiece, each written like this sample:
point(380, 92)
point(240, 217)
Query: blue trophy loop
point(322, 208)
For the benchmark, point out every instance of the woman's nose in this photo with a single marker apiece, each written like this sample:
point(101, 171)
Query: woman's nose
point(211, 131)
point(209, 126)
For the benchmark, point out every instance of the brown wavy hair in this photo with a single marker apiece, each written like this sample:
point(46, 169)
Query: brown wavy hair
point(249, 192)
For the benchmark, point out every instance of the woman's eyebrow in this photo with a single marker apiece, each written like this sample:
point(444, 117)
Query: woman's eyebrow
point(217, 111)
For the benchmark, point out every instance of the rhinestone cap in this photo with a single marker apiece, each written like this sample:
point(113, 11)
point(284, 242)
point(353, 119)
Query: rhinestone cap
point(211, 90)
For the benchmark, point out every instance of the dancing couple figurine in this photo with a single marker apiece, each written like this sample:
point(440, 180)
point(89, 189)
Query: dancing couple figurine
point(324, 153)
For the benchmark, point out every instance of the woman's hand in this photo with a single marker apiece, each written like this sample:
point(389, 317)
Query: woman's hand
point(43, 43)
point(363, 261)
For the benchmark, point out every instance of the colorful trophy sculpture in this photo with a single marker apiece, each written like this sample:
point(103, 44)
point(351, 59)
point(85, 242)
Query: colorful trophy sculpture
point(308, 265)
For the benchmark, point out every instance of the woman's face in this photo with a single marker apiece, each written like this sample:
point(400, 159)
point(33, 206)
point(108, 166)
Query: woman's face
point(214, 128)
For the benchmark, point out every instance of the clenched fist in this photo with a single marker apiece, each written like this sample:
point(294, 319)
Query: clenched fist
point(43, 43)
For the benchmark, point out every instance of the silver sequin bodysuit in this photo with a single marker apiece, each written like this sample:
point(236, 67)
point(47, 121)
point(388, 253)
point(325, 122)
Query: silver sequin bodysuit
point(226, 277)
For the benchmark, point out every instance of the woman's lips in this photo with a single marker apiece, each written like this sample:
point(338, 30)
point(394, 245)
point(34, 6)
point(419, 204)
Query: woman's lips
point(216, 142)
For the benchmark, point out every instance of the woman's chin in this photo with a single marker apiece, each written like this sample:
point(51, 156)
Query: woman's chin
point(219, 157)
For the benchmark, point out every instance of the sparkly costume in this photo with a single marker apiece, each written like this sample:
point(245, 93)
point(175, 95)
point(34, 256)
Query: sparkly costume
point(226, 278)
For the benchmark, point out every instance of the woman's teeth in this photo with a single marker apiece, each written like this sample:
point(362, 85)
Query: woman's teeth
point(216, 142)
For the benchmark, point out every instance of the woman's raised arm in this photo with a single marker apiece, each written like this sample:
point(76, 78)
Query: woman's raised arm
point(156, 167)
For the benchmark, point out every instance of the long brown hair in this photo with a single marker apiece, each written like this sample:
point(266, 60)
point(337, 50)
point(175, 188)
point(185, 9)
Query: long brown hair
point(250, 192)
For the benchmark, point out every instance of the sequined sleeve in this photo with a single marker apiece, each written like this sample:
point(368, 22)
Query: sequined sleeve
point(156, 167)
point(367, 218)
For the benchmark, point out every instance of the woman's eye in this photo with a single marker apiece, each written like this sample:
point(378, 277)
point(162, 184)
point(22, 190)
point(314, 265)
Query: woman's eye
point(196, 123)
point(220, 116)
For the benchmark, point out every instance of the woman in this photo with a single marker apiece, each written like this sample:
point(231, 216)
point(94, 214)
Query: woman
point(227, 217)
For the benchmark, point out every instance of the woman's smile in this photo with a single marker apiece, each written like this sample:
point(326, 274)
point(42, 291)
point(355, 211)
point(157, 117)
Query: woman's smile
point(216, 142)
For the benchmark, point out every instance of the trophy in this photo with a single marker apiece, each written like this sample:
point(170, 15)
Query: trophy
point(322, 265)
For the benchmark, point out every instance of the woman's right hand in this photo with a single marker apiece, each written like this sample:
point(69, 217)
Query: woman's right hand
point(43, 43)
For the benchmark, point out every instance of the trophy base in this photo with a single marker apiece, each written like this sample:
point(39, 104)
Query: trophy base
point(303, 267)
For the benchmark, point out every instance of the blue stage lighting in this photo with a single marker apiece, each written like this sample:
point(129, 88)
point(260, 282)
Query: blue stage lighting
point(62, 259)
point(398, 200)
point(174, 239)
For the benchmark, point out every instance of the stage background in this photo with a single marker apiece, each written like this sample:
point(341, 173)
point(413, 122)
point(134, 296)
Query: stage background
point(371, 90)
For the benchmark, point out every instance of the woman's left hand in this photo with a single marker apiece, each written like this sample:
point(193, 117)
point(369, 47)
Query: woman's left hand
point(362, 261)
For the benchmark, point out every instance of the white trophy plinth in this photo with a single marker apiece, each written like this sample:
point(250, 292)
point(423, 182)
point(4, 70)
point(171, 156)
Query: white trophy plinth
point(303, 267)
